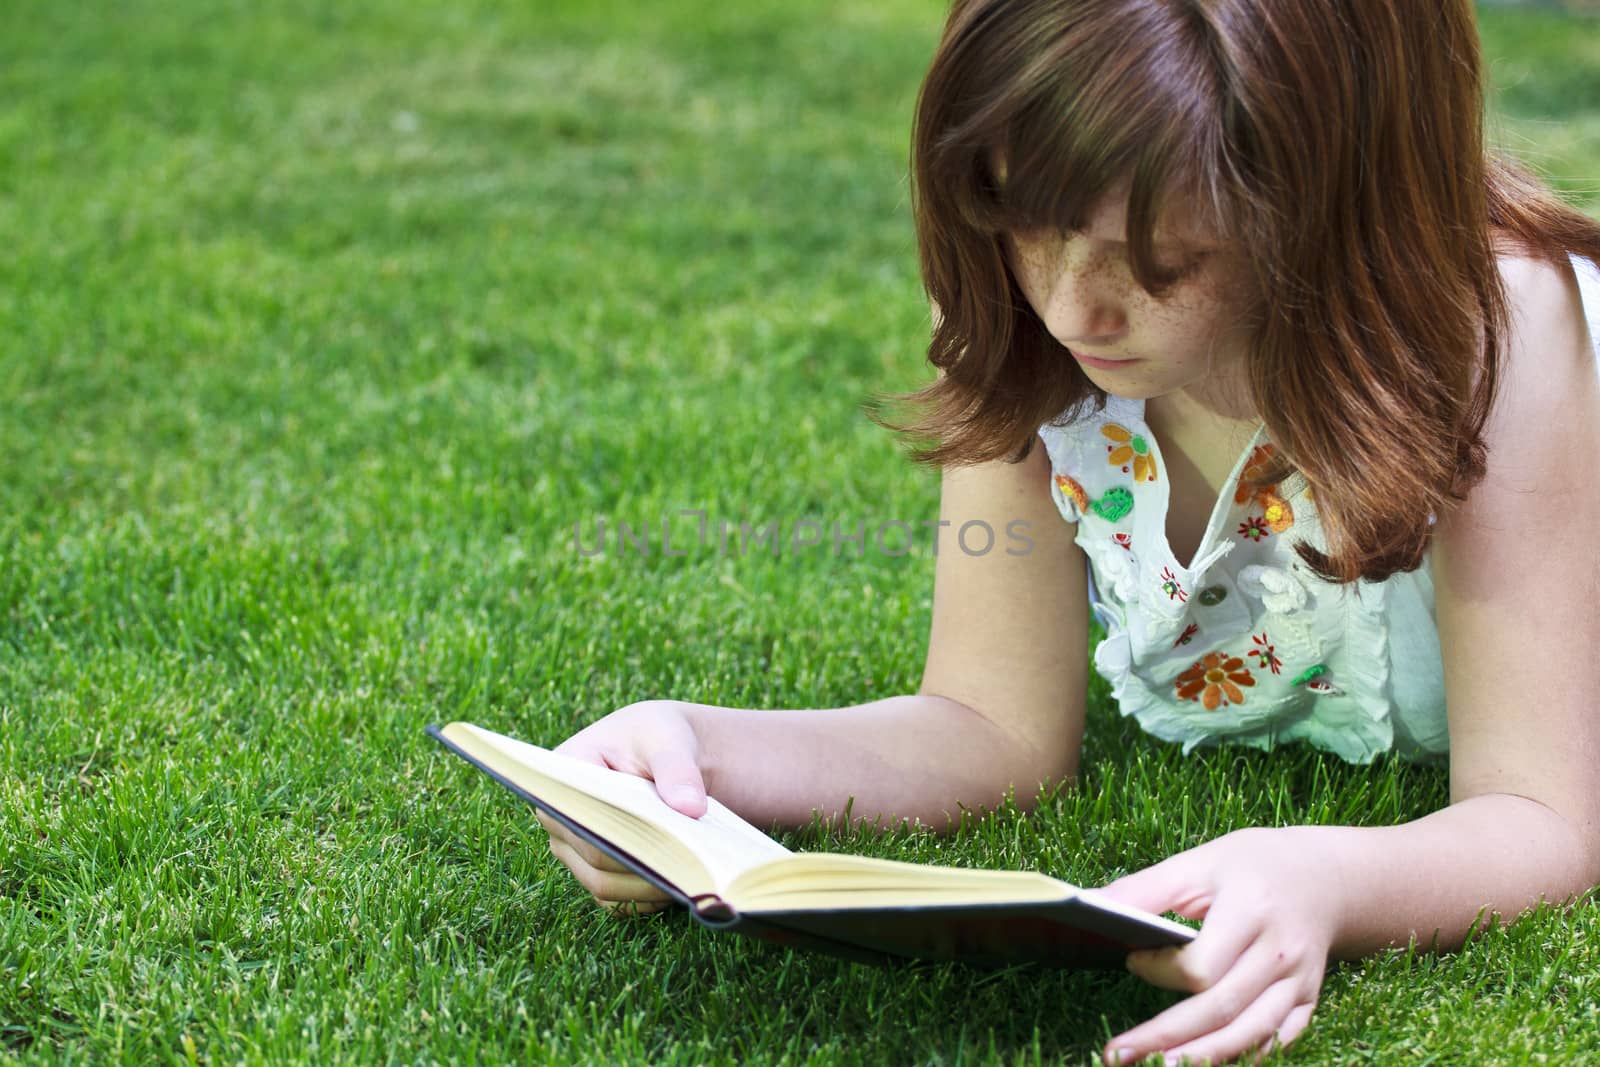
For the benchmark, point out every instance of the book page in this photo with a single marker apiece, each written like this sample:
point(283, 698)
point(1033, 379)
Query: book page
point(824, 879)
point(723, 843)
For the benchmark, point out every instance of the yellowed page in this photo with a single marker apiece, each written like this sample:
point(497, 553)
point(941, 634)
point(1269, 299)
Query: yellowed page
point(823, 880)
point(696, 855)
point(829, 880)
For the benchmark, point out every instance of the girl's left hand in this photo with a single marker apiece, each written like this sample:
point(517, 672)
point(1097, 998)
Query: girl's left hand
point(1270, 901)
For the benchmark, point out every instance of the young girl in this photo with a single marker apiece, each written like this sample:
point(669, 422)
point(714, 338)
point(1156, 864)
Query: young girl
point(1318, 406)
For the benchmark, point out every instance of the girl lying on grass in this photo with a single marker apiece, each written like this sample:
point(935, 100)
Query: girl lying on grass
point(1232, 306)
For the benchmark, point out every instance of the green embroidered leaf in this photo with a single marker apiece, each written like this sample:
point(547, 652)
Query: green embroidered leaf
point(1310, 673)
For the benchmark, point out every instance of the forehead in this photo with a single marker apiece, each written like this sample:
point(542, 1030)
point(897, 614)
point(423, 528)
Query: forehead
point(1179, 224)
point(1106, 217)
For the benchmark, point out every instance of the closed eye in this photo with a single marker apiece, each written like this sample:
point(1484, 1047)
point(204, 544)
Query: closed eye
point(1184, 257)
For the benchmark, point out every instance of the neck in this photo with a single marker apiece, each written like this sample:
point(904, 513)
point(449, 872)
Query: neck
point(1220, 400)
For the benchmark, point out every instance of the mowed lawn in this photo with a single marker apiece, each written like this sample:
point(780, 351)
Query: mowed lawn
point(323, 327)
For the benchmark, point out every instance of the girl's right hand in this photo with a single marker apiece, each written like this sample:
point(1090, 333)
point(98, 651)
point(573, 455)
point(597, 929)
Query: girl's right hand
point(652, 739)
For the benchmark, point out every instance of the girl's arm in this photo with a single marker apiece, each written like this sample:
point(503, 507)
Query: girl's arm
point(1517, 587)
point(1002, 696)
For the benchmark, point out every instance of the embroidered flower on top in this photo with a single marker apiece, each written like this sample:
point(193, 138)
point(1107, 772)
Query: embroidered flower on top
point(1255, 468)
point(1127, 448)
point(1214, 680)
point(1255, 528)
point(1276, 510)
point(1187, 635)
point(1073, 492)
point(1264, 653)
point(1170, 586)
point(1277, 514)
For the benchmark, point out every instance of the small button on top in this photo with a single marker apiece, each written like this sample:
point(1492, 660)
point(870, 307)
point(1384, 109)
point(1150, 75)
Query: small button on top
point(1213, 594)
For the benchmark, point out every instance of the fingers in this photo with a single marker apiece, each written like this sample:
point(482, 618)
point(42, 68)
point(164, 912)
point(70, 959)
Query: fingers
point(583, 746)
point(678, 781)
point(649, 740)
point(1275, 1018)
point(608, 886)
point(1148, 889)
point(1208, 1010)
point(1214, 1004)
point(1265, 995)
point(1298, 1019)
point(613, 885)
point(585, 851)
point(653, 740)
point(1170, 885)
point(1234, 921)
point(1203, 962)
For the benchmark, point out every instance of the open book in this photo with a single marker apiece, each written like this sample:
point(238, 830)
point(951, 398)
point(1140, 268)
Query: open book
point(732, 876)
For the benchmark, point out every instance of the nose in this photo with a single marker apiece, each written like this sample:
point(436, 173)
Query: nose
point(1085, 305)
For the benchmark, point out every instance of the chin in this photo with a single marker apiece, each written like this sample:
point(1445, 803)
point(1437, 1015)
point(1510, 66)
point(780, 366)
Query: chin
point(1129, 390)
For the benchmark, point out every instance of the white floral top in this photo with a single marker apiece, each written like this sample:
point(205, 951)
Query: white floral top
point(1246, 643)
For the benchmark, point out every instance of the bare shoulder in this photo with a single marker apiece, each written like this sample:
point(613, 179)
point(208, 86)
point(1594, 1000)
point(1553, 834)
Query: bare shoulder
point(1543, 435)
point(1547, 315)
point(1549, 363)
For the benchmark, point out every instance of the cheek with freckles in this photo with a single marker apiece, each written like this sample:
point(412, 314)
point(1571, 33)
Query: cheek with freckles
point(1067, 282)
point(1192, 332)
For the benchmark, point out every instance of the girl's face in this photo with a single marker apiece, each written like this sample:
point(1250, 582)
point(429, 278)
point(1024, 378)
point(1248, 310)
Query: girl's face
point(1129, 343)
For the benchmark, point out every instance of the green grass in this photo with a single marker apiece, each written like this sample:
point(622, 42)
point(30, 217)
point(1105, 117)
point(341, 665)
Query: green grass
point(320, 326)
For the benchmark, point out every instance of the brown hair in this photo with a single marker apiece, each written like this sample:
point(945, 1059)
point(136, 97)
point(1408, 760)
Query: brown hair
point(1339, 142)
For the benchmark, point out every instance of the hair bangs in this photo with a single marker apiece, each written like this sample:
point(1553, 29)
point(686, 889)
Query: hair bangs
point(1040, 144)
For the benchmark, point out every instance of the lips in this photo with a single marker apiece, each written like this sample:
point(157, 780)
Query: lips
point(1100, 361)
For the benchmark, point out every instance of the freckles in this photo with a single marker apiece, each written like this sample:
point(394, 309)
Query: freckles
point(1113, 276)
point(1193, 309)
point(1161, 314)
